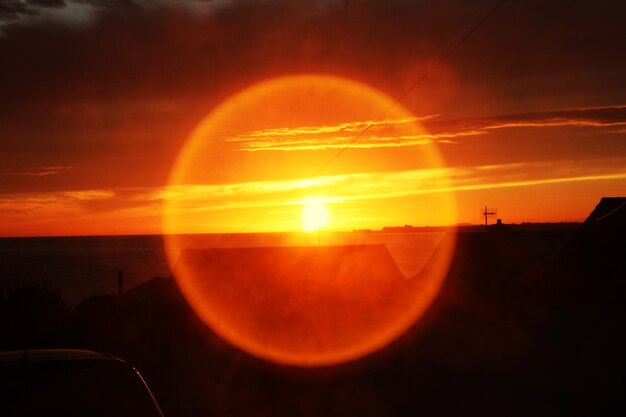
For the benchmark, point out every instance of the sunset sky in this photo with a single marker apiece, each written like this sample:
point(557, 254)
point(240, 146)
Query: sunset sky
point(98, 99)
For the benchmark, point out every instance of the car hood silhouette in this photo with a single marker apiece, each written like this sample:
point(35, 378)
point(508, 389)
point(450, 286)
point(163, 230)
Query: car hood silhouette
point(71, 383)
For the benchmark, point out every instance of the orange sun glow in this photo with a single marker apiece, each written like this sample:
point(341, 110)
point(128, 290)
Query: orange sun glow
point(314, 215)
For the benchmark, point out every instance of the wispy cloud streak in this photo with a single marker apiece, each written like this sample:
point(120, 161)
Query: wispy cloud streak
point(382, 185)
point(380, 134)
point(40, 208)
point(400, 132)
point(46, 171)
point(601, 117)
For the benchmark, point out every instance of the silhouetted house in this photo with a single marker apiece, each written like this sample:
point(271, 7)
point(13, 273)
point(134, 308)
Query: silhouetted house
point(481, 275)
point(500, 272)
point(159, 290)
point(592, 269)
point(610, 210)
point(499, 227)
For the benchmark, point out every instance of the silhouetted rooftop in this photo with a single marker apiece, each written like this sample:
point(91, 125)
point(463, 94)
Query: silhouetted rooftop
point(608, 207)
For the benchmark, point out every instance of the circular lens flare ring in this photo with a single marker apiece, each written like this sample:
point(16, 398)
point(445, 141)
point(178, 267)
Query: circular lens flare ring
point(318, 307)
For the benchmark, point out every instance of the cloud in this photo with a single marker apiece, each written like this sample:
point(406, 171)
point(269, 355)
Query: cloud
point(392, 133)
point(12, 10)
point(29, 12)
point(371, 134)
point(46, 171)
point(37, 207)
point(607, 116)
point(354, 127)
point(383, 185)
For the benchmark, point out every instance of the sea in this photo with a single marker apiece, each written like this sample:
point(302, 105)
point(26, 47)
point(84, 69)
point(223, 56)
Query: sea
point(84, 266)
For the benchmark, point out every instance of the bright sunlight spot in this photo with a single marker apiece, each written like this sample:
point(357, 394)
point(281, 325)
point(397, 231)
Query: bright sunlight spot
point(314, 214)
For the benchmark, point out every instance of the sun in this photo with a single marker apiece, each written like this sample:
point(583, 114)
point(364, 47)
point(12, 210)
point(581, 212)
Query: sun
point(314, 214)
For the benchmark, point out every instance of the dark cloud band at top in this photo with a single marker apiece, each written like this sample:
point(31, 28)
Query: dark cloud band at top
point(12, 10)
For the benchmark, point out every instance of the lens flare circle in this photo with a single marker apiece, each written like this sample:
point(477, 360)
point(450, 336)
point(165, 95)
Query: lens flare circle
point(300, 306)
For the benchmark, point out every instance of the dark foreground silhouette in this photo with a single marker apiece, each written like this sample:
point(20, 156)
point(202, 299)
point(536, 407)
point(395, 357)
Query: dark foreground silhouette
point(527, 323)
point(70, 382)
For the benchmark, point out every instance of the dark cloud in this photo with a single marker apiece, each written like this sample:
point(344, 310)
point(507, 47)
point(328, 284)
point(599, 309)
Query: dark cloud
point(47, 3)
point(11, 10)
point(118, 5)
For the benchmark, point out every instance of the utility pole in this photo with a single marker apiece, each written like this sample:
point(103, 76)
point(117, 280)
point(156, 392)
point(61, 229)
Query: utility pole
point(488, 213)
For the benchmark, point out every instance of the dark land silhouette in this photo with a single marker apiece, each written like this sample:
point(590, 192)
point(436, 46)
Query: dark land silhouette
point(528, 322)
